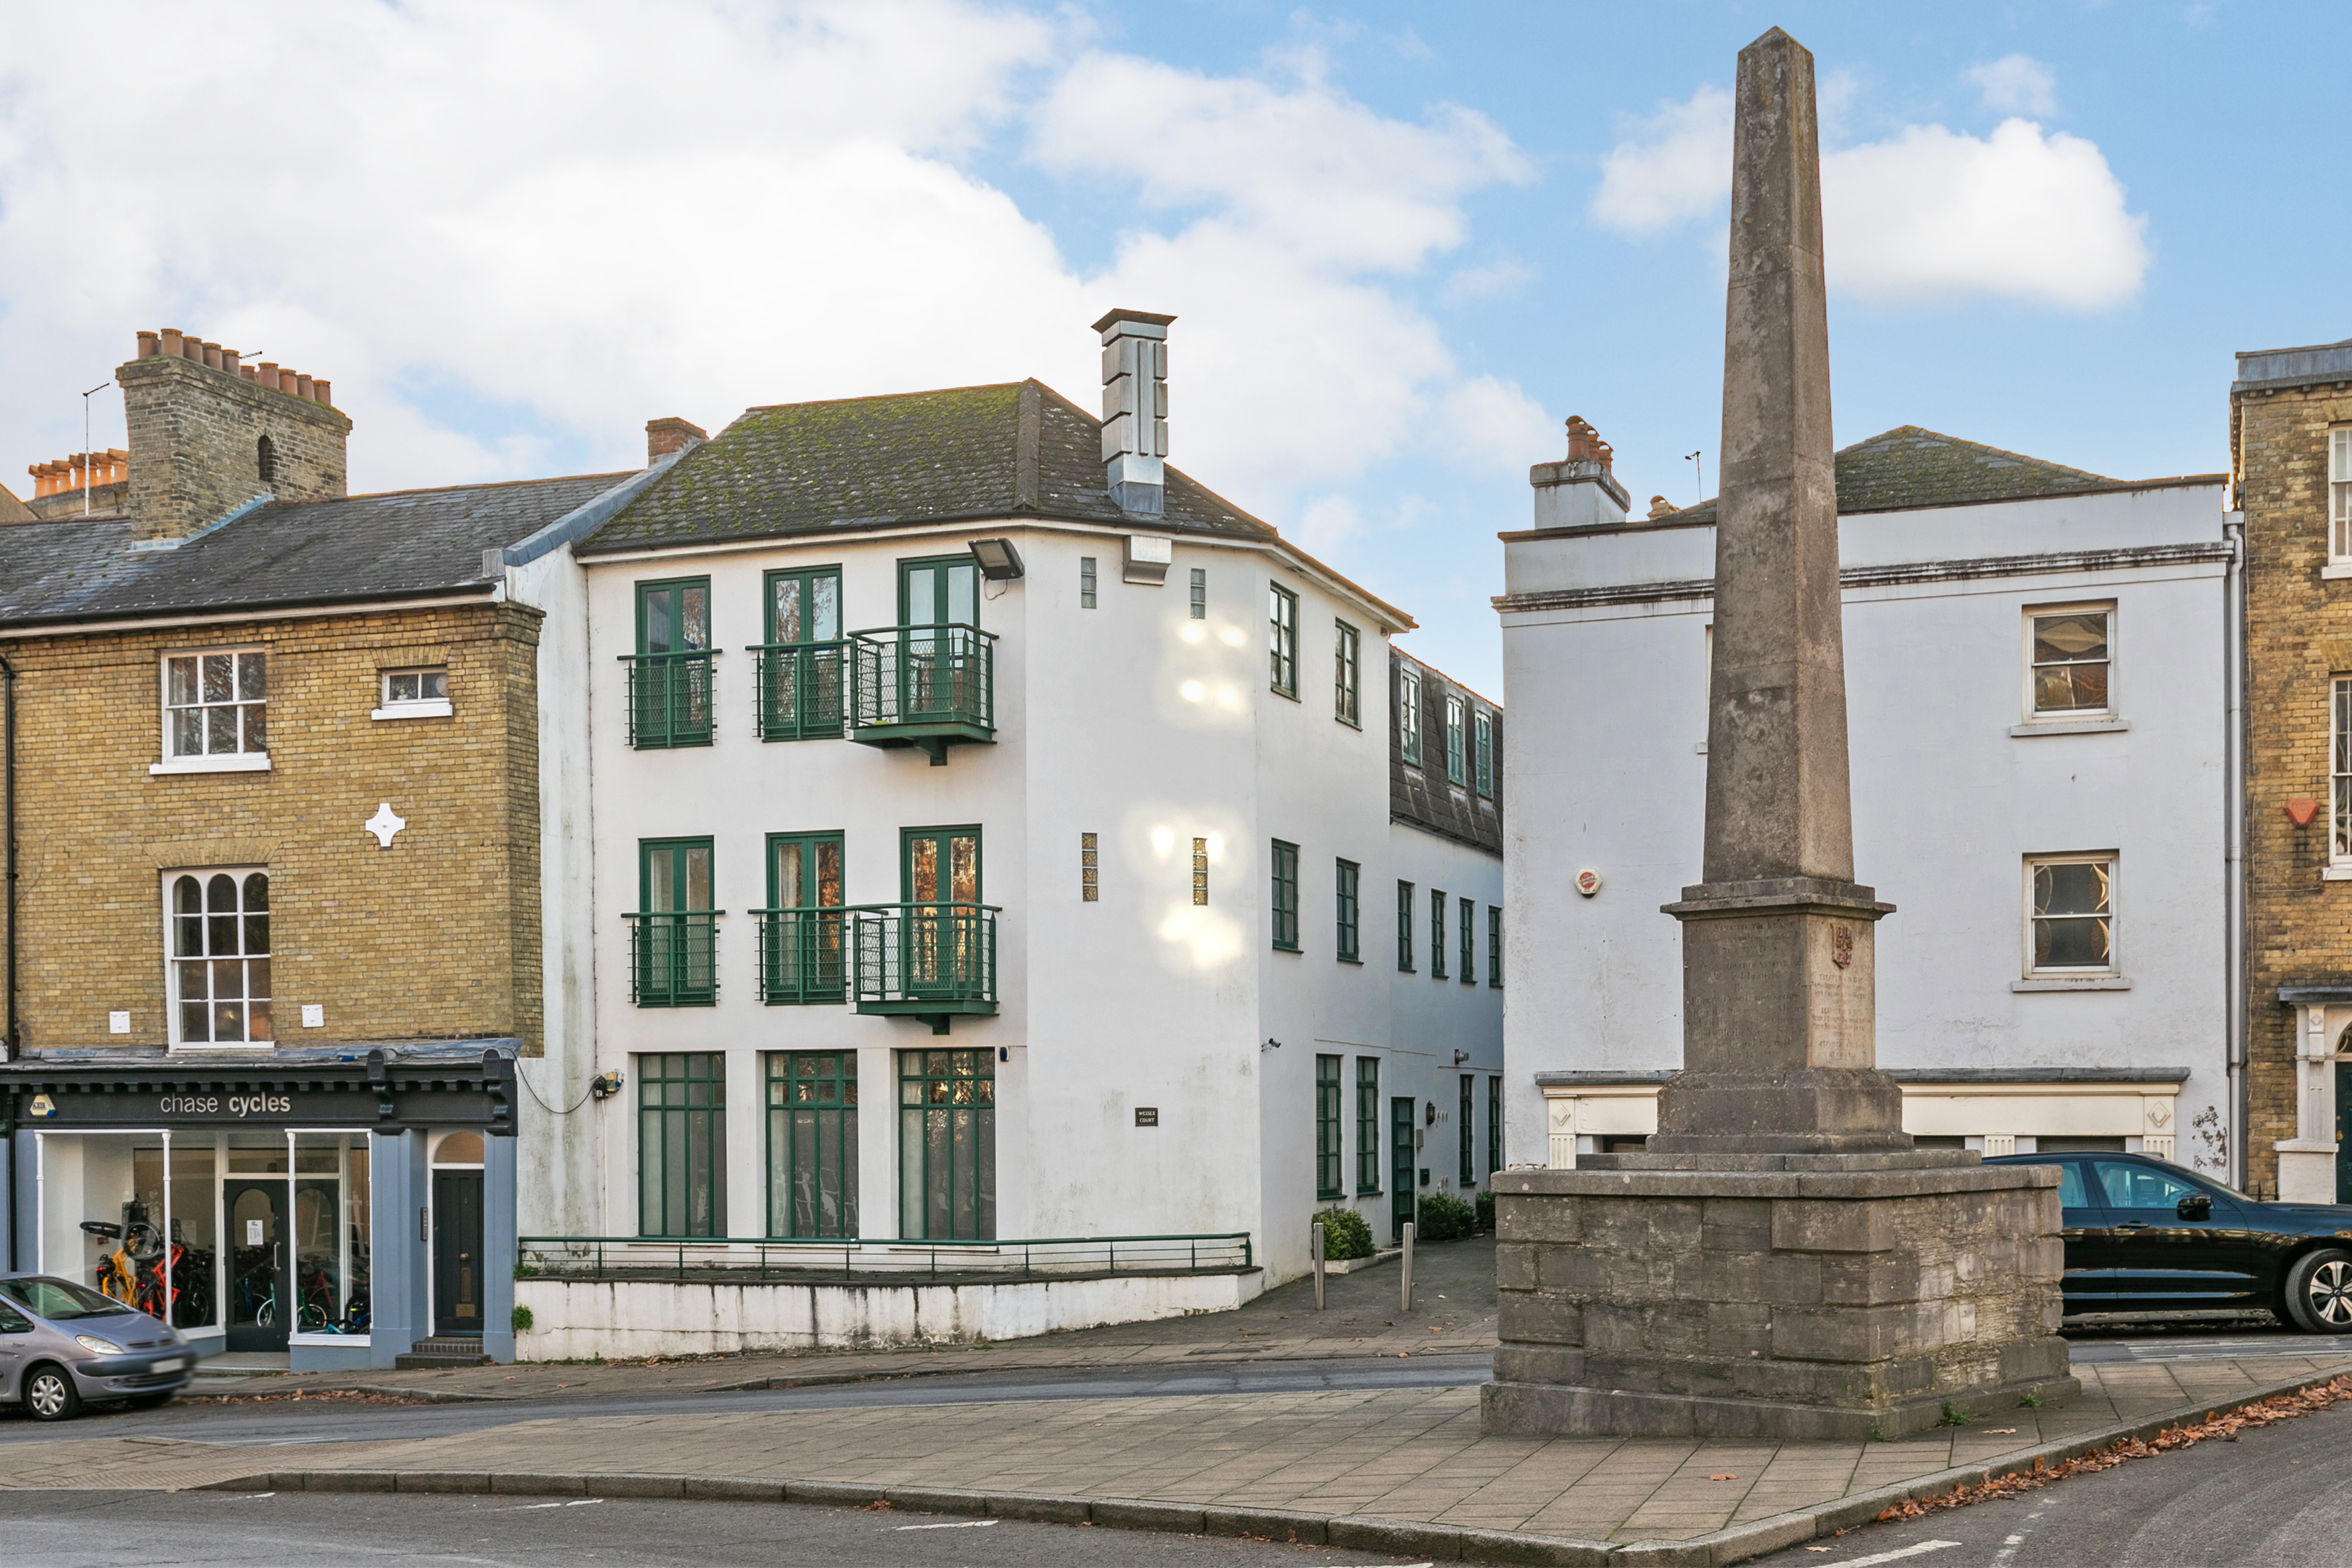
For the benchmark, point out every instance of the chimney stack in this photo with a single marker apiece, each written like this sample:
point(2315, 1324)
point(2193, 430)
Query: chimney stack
point(1580, 492)
point(210, 433)
point(666, 438)
point(1135, 409)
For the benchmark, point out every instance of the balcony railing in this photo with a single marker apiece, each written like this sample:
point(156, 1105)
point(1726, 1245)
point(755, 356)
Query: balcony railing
point(880, 1260)
point(933, 960)
point(799, 689)
point(804, 955)
point(674, 958)
point(931, 687)
point(669, 698)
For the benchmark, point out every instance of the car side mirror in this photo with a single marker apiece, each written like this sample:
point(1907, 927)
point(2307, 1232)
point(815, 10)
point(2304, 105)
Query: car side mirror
point(2196, 1205)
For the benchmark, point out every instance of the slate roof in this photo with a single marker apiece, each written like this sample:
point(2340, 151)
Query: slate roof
point(1911, 465)
point(1418, 793)
point(906, 458)
point(400, 544)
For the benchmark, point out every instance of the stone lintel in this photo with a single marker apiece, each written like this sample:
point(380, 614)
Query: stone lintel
point(1779, 895)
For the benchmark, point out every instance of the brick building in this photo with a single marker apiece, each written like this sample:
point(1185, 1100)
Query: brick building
point(2291, 452)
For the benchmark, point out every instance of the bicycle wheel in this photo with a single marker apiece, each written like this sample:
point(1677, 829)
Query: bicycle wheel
point(266, 1314)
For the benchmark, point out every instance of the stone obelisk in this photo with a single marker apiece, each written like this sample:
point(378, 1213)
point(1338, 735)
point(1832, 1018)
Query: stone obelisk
point(1780, 1261)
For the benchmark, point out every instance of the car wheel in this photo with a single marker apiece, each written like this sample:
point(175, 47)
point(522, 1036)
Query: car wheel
point(2319, 1292)
point(50, 1394)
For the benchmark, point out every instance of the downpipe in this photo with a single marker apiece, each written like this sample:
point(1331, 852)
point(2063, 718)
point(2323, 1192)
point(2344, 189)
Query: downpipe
point(2234, 808)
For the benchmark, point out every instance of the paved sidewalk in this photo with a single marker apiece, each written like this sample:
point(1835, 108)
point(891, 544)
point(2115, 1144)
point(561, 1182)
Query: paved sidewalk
point(1407, 1454)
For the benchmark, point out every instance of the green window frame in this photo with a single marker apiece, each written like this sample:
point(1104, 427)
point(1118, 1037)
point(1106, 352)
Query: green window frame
point(682, 1144)
point(1482, 759)
point(1087, 583)
point(1285, 904)
point(947, 1145)
point(1326, 1127)
point(674, 930)
point(671, 676)
point(1456, 770)
point(1282, 641)
point(1408, 911)
point(1200, 607)
point(800, 659)
point(1436, 933)
point(812, 1143)
point(1494, 1125)
point(1494, 946)
point(1469, 912)
point(1367, 1126)
point(1347, 650)
point(1347, 880)
point(938, 591)
point(1409, 714)
point(802, 951)
point(1469, 1138)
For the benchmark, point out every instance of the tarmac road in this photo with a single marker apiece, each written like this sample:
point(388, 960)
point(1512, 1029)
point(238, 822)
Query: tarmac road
point(297, 1529)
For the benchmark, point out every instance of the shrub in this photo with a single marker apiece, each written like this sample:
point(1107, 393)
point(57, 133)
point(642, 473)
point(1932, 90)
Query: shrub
point(520, 1320)
point(1444, 1218)
point(1345, 1233)
point(1485, 1211)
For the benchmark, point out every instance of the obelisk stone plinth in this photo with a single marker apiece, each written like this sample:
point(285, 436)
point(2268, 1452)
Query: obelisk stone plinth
point(1780, 1261)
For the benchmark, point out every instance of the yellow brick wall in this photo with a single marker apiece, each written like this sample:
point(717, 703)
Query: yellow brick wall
point(437, 937)
point(2298, 636)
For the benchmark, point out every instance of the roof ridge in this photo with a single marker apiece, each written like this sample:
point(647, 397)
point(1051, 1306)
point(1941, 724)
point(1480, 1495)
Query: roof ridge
point(1964, 441)
point(883, 397)
point(444, 490)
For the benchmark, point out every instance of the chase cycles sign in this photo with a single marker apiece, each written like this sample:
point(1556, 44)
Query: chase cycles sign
point(206, 1106)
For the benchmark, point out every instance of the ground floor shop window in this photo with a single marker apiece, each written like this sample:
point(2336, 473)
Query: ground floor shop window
point(682, 1144)
point(947, 1145)
point(812, 1144)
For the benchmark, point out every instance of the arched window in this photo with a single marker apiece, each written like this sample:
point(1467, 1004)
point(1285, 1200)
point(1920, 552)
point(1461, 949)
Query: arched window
point(220, 952)
point(459, 1149)
point(265, 458)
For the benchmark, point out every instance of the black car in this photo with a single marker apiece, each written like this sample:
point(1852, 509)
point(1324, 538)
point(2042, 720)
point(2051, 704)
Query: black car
point(2145, 1236)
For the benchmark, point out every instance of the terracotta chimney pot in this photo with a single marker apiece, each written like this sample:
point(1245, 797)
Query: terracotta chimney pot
point(322, 392)
point(211, 356)
point(269, 373)
point(302, 385)
point(149, 345)
point(229, 360)
point(248, 372)
point(170, 342)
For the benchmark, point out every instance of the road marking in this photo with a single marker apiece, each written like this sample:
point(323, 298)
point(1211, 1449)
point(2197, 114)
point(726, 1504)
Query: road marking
point(1896, 1555)
point(959, 1524)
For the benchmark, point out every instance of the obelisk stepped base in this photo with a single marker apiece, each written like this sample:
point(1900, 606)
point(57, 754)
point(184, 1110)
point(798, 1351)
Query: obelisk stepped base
point(1837, 1298)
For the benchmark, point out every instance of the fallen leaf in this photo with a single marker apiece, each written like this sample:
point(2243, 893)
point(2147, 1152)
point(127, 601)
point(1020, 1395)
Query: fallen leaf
point(2000, 1431)
point(1723, 1478)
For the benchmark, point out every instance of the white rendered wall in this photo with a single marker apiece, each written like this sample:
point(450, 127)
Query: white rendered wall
point(1605, 772)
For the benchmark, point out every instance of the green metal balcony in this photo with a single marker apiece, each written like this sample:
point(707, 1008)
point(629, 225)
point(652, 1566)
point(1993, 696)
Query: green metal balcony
point(799, 689)
point(929, 687)
point(932, 961)
point(669, 698)
point(803, 956)
point(674, 958)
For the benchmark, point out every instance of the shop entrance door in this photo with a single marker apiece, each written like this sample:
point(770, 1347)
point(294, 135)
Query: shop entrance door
point(457, 1252)
point(260, 1294)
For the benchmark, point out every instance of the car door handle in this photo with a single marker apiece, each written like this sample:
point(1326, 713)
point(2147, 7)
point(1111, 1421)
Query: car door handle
point(2133, 1225)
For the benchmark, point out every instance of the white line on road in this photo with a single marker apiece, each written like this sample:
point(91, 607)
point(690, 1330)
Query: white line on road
point(959, 1524)
point(1897, 1554)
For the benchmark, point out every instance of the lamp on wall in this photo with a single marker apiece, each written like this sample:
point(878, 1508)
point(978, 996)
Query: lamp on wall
point(999, 562)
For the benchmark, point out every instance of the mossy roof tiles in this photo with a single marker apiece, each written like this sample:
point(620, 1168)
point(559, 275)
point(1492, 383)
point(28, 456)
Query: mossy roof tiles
point(1911, 465)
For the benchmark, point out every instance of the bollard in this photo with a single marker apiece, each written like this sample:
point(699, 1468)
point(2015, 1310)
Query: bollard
point(1315, 1255)
point(1405, 1266)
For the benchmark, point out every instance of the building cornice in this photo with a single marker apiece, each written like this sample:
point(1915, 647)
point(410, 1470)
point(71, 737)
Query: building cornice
point(432, 599)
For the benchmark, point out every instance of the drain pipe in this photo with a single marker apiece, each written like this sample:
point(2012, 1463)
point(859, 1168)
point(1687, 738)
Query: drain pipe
point(2234, 807)
point(8, 1043)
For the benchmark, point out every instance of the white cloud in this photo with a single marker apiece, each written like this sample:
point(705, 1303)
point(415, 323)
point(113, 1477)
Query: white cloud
point(569, 216)
point(2015, 84)
point(1925, 213)
point(1325, 525)
point(1493, 425)
point(1491, 282)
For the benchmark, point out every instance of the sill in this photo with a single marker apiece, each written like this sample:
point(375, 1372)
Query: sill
point(1287, 947)
point(1278, 691)
point(2072, 727)
point(227, 763)
point(1347, 958)
point(682, 1002)
point(835, 1001)
point(413, 710)
point(1330, 1197)
point(1351, 724)
point(231, 1049)
point(2336, 873)
point(2335, 570)
point(2072, 983)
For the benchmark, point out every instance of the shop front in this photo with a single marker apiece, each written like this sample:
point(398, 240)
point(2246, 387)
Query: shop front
point(334, 1205)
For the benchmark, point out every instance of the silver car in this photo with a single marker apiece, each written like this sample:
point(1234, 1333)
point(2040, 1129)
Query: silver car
point(61, 1343)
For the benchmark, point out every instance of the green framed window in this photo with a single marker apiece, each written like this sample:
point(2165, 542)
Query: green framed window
point(1409, 714)
point(676, 929)
point(1494, 1125)
point(1326, 1127)
point(1285, 903)
point(1346, 882)
point(1469, 1130)
point(1347, 649)
point(938, 591)
point(1368, 1125)
point(802, 956)
point(1494, 946)
point(1482, 754)
point(682, 1144)
point(1455, 767)
point(800, 685)
point(947, 1145)
point(812, 1143)
point(1406, 915)
point(1200, 607)
point(1282, 639)
point(671, 676)
point(943, 945)
point(1436, 934)
point(1087, 582)
point(1469, 942)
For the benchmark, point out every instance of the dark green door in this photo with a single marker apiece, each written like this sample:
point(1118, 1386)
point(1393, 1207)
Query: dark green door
point(671, 682)
point(939, 664)
point(800, 685)
point(1401, 1190)
point(457, 1260)
point(2343, 1132)
point(942, 946)
point(261, 1305)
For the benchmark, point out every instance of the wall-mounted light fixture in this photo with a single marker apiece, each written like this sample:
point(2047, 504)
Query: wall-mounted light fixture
point(999, 562)
point(1460, 1056)
point(1271, 1044)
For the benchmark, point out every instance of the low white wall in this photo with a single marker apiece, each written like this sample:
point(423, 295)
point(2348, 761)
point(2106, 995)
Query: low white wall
point(643, 1317)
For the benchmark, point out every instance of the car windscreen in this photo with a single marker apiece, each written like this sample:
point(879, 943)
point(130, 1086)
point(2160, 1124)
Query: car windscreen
point(60, 1300)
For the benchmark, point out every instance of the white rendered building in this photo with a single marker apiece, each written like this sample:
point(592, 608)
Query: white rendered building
point(997, 835)
point(2041, 718)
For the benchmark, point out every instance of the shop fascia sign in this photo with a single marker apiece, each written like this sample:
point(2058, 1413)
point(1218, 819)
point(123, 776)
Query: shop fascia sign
point(204, 1106)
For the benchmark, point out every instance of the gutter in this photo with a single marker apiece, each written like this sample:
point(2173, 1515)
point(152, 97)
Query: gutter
point(11, 1046)
point(2233, 838)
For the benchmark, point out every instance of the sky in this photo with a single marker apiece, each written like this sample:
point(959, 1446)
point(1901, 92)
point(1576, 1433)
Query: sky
point(1403, 242)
